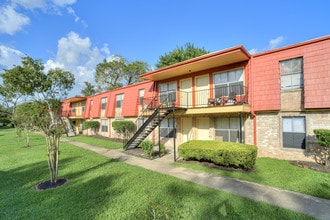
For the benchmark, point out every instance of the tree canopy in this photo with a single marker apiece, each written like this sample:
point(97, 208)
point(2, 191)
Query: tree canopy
point(44, 90)
point(89, 89)
point(179, 54)
point(118, 72)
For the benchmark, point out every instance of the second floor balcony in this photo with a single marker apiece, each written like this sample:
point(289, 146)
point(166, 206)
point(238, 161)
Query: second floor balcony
point(234, 98)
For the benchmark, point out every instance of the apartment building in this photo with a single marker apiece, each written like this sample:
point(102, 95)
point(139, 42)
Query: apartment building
point(273, 100)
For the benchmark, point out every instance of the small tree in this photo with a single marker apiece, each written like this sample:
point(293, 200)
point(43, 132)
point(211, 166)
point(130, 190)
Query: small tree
point(93, 125)
point(124, 128)
point(45, 89)
point(23, 119)
point(322, 153)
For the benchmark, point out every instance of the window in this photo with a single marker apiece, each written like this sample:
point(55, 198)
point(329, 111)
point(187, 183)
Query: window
point(91, 105)
point(167, 92)
point(227, 129)
point(141, 96)
point(104, 125)
point(167, 128)
point(294, 132)
point(228, 83)
point(119, 100)
point(73, 107)
point(83, 106)
point(292, 74)
point(104, 103)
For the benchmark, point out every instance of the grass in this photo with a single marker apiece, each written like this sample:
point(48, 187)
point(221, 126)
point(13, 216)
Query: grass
point(278, 173)
point(102, 188)
point(98, 142)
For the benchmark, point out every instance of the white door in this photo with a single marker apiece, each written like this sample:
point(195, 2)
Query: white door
point(186, 129)
point(202, 91)
point(185, 93)
point(203, 129)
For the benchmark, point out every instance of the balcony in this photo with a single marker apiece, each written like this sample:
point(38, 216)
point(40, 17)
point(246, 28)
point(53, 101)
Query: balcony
point(72, 114)
point(232, 98)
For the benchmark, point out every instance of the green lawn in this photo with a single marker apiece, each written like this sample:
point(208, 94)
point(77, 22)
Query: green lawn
point(102, 188)
point(279, 173)
point(98, 142)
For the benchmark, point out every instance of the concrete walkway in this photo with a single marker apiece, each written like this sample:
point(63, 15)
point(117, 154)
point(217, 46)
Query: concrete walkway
point(313, 206)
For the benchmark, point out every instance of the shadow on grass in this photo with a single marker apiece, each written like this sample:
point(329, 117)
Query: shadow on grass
point(221, 206)
point(83, 197)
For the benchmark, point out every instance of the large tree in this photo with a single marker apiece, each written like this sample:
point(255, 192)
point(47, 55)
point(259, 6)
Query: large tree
point(179, 54)
point(109, 74)
point(118, 72)
point(89, 89)
point(45, 90)
point(133, 71)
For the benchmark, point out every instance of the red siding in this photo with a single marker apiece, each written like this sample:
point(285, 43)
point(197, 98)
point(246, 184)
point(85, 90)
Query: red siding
point(65, 108)
point(131, 98)
point(266, 75)
point(317, 75)
point(265, 87)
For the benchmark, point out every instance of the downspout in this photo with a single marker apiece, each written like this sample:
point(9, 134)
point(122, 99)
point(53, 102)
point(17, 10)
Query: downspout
point(252, 102)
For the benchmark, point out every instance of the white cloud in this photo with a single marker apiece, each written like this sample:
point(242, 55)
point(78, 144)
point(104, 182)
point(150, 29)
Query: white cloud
point(77, 55)
point(13, 17)
point(30, 4)
point(105, 49)
point(274, 43)
point(76, 17)
point(253, 51)
point(63, 2)
point(9, 57)
point(12, 21)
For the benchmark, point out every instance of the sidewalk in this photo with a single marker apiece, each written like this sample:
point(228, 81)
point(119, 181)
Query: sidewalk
point(313, 206)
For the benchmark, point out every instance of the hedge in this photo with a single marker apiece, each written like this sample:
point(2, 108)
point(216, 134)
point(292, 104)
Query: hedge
point(221, 153)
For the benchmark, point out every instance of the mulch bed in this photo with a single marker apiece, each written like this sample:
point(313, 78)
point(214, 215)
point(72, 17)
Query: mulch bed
point(303, 164)
point(138, 152)
point(49, 185)
point(311, 165)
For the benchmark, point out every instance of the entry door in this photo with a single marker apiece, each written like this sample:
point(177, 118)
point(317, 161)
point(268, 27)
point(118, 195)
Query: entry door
point(202, 90)
point(203, 129)
point(186, 129)
point(185, 93)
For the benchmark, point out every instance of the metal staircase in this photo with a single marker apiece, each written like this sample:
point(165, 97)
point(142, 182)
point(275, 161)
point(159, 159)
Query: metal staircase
point(69, 128)
point(148, 126)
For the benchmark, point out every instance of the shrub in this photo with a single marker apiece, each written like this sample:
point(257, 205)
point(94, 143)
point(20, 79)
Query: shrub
point(221, 153)
point(94, 125)
point(322, 153)
point(147, 147)
point(123, 127)
point(162, 148)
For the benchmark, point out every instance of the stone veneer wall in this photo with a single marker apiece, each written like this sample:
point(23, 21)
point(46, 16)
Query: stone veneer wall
point(269, 133)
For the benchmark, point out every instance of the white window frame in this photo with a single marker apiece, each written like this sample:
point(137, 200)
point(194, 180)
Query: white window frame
point(119, 100)
point(104, 101)
point(228, 82)
point(229, 126)
point(141, 96)
point(293, 127)
point(104, 125)
point(292, 73)
point(167, 92)
point(167, 127)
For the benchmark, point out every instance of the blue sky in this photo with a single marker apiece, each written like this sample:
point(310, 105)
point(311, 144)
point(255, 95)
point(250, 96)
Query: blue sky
point(76, 35)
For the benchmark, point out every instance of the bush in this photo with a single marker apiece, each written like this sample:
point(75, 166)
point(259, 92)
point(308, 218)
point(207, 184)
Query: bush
point(162, 148)
point(94, 125)
point(147, 147)
point(220, 153)
point(123, 126)
point(322, 153)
